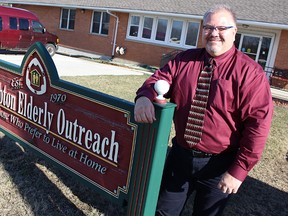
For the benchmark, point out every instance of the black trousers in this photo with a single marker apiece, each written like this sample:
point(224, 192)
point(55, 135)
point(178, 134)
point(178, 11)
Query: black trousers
point(184, 174)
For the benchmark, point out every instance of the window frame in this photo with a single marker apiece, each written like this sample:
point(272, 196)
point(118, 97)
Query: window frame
point(169, 24)
point(101, 23)
point(69, 19)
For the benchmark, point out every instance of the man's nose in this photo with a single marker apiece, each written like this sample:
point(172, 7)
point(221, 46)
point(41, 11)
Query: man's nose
point(215, 31)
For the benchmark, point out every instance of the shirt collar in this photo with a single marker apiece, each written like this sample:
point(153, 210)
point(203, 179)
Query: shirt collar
point(218, 60)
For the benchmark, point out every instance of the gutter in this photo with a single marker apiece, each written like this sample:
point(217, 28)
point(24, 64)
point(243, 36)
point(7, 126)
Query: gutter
point(115, 32)
point(263, 24)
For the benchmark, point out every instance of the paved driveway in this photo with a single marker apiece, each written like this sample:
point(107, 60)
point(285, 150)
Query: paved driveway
point(72, 66)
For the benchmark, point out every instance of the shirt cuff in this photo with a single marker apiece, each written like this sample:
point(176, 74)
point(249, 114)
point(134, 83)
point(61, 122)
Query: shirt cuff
point(149, 94)
point(238, 172)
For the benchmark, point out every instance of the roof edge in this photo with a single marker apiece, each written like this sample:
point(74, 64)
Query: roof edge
point(263, 24)
point(199, 17)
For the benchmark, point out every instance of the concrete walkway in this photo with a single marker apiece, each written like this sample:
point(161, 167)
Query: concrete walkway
point(105, 59)
point(70, 62)
point(279, 94)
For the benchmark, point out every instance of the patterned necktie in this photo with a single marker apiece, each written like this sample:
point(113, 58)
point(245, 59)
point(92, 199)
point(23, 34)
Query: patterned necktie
point(195, 122)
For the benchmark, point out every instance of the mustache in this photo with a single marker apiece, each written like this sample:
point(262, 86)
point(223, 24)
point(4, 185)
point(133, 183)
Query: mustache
point(214, 38)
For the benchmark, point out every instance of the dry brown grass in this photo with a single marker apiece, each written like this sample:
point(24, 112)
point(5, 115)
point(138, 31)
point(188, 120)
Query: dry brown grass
point(30, 185)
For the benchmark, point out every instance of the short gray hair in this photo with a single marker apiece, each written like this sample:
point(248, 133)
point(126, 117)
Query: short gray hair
point(217, 8)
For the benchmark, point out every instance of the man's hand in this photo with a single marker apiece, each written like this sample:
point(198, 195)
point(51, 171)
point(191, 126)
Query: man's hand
point(229, 184)
point(144, 111)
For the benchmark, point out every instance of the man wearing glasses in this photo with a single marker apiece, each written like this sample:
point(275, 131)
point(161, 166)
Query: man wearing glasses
point(222, 119)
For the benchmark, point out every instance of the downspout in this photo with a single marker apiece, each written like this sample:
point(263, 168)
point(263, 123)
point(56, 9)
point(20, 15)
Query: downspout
point(115, 32)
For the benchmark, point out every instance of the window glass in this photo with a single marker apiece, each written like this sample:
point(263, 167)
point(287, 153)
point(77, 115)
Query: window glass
point(13, 23)
point(72, 19)
point(64, 18)
point(192, 34)
point(175, 36)
point(105, 23)
point(1, 25)
point(161, 29)
point(134, 26)
point(37, 27)
point(250, 44)
point(255, 46)
point(68, 17)
point(264, 51)
point(23, 24)
point(96, 22)
point(100, 23)
point(147, 29)
point(266, 41)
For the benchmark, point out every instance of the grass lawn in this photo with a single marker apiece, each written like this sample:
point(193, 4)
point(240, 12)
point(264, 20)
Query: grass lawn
point(30, 185)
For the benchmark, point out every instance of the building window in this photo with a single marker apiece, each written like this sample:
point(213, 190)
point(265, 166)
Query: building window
point(161, 30)
point(192, 34)
point(147, 28)
point(100, 23)
point(68, 19)
point(134, 26)
point(176, 31)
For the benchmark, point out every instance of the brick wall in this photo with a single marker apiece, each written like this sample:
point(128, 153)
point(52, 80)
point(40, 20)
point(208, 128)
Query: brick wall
point(281, 60)
point(143, 53)
point(48, 16)
point(80, 37)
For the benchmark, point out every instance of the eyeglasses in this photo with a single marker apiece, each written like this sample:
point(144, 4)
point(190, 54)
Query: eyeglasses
point(209, 28)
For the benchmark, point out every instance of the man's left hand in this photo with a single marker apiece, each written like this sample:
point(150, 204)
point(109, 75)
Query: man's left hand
point(229, 184)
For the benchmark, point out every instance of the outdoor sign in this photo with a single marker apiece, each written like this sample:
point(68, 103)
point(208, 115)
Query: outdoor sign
point(90, 134)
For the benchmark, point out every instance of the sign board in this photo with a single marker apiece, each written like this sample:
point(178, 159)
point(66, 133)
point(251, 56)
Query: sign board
point(90, 134)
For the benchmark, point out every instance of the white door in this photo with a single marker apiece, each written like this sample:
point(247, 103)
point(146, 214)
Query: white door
point(256, 47)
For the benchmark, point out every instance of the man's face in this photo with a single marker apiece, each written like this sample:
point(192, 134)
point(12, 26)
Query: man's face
point(218, 41)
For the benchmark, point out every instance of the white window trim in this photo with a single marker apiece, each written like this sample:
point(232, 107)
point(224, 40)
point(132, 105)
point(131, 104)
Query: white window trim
point(60, 25)
point(101, 20)
point(166, 42)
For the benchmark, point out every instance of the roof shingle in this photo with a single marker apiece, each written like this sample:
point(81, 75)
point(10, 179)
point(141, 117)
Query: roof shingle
point(266, 11)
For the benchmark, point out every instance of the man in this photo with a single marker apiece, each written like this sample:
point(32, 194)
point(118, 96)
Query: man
point(232, 132)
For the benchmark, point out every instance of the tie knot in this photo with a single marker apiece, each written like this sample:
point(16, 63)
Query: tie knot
point(210, 65)
point(211, 60)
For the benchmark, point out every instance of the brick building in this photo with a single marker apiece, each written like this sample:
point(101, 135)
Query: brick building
point(145, 31)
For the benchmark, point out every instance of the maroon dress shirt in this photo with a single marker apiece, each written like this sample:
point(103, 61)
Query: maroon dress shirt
point(239, 109)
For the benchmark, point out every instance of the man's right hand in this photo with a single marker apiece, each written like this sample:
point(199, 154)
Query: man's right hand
point(144, 111)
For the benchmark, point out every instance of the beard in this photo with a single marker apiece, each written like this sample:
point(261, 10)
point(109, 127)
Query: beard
point(214, 47)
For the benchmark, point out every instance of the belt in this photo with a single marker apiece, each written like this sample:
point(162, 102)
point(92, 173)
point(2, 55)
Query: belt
point(199, 154)
point(193, 152)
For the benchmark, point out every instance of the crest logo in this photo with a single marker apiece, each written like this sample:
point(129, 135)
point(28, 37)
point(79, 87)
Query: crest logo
point(35, 77)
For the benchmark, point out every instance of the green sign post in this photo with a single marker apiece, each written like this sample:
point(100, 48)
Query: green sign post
point(89, 134)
